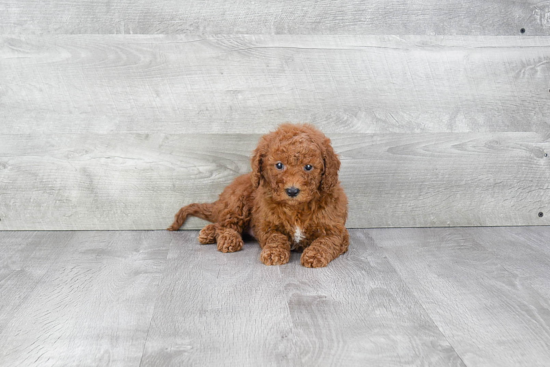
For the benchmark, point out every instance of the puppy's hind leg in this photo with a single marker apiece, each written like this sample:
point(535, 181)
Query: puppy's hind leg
point(228, 239)
point(231, 224)
point(207, 235)
point(226, 234)
point(203, 211)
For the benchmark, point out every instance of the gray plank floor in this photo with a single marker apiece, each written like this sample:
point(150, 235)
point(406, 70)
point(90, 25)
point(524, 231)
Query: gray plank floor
point(399, 297)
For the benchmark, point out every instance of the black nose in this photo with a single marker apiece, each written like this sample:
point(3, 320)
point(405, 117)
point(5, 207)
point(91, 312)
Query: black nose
point(292, 191)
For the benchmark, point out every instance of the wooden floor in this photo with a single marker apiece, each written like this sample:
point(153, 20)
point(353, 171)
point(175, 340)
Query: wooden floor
point(399, 297)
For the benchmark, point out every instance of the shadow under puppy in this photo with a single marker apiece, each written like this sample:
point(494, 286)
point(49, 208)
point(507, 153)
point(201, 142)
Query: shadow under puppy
point(292, 199)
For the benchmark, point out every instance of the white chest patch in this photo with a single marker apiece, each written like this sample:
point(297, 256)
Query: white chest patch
point(298, 235)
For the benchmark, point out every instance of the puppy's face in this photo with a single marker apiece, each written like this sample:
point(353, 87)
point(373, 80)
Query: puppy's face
point(295, 164)
point(293, 170)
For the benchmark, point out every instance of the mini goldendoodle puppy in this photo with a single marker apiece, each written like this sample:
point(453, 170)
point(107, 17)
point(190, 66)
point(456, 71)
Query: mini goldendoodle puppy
point(291, 200)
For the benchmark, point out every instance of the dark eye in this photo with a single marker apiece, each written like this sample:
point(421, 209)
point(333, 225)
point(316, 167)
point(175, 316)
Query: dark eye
point(279, 165)
point(308, 167)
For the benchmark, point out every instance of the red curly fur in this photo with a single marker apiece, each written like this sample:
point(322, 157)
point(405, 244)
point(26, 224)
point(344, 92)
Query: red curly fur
point(313, 220)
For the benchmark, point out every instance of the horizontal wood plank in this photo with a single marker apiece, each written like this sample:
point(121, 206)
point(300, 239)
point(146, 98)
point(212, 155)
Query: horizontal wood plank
point(244, 84)
point(139, 181)
point(275, 17)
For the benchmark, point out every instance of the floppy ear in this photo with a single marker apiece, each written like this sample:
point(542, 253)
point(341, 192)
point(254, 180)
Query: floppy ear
point(332, 165)
point(257, 160)
point(329, 177)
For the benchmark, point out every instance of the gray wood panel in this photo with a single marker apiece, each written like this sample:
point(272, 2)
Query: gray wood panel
point(94, 304)
point(139, 181)
point(24, 259)
point(243, 84)
point(500, 17)
point(490, 314)
point(230, 309)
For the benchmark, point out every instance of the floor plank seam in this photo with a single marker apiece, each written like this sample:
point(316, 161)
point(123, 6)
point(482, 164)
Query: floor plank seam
point(157, 299)
point(400, 296)
point(413, 294)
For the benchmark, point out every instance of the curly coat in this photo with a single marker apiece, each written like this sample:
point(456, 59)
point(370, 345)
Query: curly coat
point(292, 199)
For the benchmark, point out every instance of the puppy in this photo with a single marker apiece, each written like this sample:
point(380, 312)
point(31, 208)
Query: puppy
point(291, 200)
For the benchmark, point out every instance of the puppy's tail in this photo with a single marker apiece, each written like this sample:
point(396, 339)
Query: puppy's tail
point(203, 211)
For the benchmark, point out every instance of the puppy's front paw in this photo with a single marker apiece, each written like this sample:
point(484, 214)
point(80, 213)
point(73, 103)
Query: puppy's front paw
point(275, 256)
point(229, 241)
point(207, 235)
point(314, 257)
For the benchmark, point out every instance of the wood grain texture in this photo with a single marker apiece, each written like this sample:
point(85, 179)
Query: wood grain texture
point(503, 17)
point(491, 315)
point(219, 310)
point(92, 307)
point(24, 259)
point(399, 297)
point(243, 83)
point(230, 309)
point(138, 181)
point(359, 312)
point(516, 246)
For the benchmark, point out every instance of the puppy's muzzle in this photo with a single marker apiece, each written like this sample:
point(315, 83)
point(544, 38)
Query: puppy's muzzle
point(292, 191)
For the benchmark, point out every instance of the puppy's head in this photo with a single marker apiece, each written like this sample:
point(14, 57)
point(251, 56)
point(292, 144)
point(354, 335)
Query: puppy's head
point(295, 164)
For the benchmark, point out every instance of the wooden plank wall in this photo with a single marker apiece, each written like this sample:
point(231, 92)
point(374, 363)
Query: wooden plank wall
point(426, 17)
point(114, 114)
